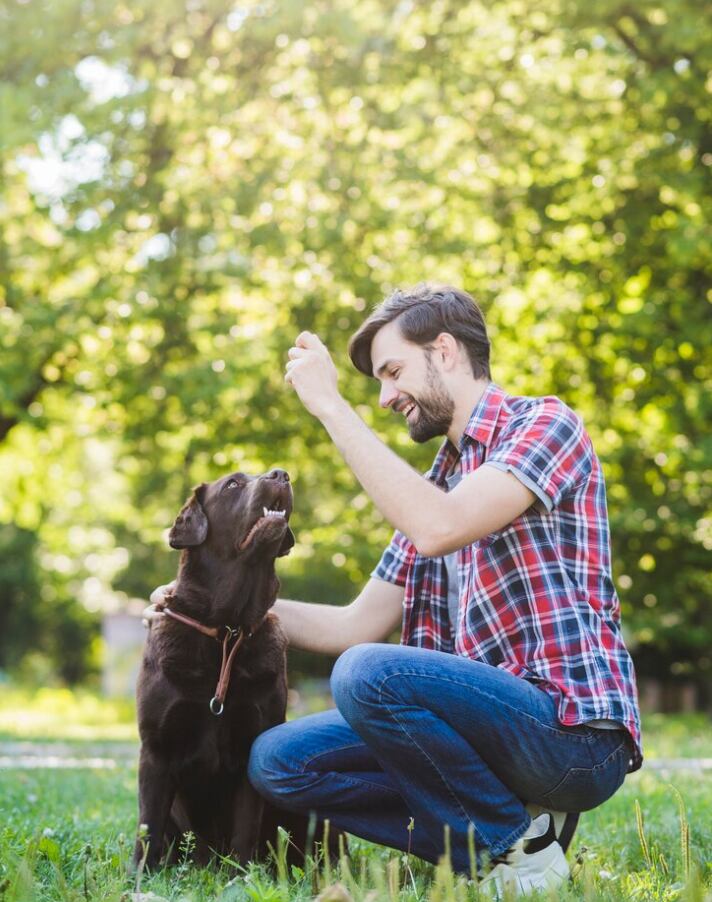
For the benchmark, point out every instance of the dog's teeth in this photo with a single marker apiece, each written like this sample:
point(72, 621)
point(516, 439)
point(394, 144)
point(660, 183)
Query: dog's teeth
point(272, 513)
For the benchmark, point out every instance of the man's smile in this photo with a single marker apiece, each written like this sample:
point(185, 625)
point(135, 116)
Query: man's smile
point(406, 408)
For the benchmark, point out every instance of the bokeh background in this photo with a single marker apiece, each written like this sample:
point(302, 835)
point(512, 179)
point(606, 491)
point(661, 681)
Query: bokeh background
point(187, 185)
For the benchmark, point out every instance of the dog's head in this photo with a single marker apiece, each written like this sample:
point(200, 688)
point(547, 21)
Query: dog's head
point(238, 516)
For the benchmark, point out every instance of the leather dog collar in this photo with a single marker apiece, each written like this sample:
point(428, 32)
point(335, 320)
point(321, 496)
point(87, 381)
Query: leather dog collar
point(230, 637)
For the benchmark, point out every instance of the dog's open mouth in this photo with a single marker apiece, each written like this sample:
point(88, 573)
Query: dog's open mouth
point(271, 522)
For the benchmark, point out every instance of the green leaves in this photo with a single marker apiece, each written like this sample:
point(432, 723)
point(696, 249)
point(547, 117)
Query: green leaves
point(184, 190)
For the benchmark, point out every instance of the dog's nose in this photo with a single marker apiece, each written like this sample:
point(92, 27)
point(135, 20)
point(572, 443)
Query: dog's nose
point(279, 475)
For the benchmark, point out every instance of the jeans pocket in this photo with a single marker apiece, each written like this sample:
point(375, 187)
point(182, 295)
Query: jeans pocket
point(583, 788)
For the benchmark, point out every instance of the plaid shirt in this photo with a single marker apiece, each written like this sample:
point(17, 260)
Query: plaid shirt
point(536, 597)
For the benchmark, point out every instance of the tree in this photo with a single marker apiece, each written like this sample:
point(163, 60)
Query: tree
point(222, 178)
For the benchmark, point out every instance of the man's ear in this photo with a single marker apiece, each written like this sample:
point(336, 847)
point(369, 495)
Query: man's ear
point(191, 525)
point(287, 543)
point(447, 348)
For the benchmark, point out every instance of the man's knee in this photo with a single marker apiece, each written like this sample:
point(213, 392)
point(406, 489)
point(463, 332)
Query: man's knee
point(278, 767)
point(354, 679)
point(266, 768)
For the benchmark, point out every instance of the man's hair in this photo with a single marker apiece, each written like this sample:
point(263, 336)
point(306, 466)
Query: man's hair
point(423, 312)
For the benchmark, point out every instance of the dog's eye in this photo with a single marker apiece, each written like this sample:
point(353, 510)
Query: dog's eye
point(233, 484)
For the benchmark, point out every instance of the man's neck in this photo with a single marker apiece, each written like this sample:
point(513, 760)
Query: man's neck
point(465, 401)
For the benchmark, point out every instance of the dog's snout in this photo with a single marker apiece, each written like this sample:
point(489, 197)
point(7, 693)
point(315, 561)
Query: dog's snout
point(279, 475)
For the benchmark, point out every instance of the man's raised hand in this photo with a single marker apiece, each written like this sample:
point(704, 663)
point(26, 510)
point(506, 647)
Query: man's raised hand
point(312, 374)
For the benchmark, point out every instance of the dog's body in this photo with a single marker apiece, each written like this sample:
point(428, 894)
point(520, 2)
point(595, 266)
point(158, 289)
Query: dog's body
point(192, 771)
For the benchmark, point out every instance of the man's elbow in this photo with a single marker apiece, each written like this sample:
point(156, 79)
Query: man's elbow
point(432, 544)
point(438, 544)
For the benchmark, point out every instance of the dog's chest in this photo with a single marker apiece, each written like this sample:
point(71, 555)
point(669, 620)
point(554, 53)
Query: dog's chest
point(191, 737)
point(176, 688)
point(186, 731)
point(215, 749)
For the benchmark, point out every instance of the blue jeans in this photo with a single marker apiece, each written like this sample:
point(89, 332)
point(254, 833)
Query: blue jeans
point(441, 739)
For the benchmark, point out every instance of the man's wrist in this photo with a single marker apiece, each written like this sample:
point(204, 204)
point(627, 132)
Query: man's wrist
point(333, 411)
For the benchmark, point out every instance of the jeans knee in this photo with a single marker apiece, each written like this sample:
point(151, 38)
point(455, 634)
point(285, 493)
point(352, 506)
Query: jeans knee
point(352, 679)
point(264, 766)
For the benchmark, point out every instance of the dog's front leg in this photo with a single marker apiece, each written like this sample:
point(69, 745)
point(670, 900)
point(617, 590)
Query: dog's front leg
point(155, 794)
point(246, 822)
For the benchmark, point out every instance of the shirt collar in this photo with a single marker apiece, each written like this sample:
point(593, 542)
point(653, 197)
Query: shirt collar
point(484, 417)
point(480, 428)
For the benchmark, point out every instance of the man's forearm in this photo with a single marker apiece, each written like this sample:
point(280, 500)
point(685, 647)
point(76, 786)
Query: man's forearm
point(313, 627)
point(406, 499)
point(330, 629)
point(435, 521)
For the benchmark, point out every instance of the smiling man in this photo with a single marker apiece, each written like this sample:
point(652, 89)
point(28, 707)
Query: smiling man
point(511, 698)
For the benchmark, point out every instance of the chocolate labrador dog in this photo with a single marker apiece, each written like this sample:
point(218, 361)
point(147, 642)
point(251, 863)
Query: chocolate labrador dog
point(213, 674)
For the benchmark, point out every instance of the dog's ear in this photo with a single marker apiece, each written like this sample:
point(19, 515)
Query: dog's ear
point(191, 525)
point(287, 543)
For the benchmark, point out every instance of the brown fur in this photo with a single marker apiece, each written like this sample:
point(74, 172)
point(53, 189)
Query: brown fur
point(192, 770)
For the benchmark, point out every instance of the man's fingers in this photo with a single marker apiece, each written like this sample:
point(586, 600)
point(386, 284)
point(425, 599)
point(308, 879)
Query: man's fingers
point(290, 369)
point(293, 361)
point(151, 615)
point(296, 353)
point(309, 341)
point(157, 596)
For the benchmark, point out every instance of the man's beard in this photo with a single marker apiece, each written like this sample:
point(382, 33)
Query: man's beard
point(435, 409)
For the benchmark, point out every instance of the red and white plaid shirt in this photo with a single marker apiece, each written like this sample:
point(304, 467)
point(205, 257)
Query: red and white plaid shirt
point(536, 597)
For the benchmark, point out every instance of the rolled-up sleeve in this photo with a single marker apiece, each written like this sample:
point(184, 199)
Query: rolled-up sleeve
point(547, 449)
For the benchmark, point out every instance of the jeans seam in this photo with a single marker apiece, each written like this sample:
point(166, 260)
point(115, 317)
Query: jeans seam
point(401, 673)
point(615, 753)
point(437, 770)
point(509, 841)
point(590, 771)
point(381, 689)
point(600, 736)
point(444, 781)
point(304, 766)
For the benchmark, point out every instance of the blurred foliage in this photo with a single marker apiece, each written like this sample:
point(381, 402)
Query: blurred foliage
point(50, 714)
point(39, 616)
point(186, 185)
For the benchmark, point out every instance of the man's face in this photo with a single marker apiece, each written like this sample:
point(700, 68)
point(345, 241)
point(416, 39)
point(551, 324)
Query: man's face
point(411, 384)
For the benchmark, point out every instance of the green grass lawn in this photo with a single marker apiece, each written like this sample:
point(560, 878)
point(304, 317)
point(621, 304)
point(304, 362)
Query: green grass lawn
point(68, 834)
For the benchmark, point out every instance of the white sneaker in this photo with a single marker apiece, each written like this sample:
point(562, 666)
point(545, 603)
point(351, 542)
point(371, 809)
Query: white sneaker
point(565, 823)
point(535, 861)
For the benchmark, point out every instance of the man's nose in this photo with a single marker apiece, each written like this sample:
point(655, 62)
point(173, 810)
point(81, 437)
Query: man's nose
point(388, 395)
point(278, 475)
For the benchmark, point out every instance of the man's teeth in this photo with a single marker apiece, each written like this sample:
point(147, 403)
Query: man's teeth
point(271, 513)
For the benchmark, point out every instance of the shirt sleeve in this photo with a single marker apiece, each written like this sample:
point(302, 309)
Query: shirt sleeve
point(396, 560)
point(547, 449)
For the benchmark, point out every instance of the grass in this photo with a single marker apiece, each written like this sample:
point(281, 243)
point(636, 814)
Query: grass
point(54, 714)
point(68, 834)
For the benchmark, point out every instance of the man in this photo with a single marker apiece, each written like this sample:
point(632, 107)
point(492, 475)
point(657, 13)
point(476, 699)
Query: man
point(512, 684)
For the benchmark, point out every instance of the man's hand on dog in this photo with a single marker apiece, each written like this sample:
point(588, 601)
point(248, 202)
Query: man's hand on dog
point(312, 374)
point(152, 614)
